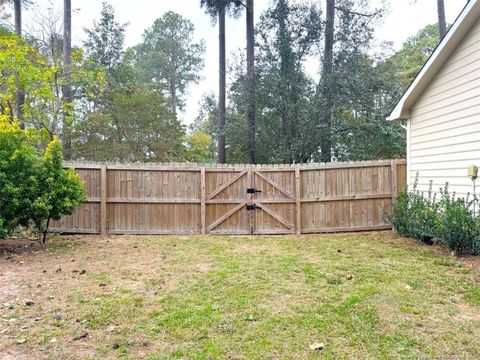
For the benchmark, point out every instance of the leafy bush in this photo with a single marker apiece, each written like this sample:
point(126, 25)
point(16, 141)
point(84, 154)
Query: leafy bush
point(423, 215)
point(399, 217)
point(60, 190)
point(415, 214)
point(457, 228)
point(18, 168)
point(33, 189)
point(448, 221)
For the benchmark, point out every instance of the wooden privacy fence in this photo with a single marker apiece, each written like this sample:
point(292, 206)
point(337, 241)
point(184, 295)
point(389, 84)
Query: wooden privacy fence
point(238, 199)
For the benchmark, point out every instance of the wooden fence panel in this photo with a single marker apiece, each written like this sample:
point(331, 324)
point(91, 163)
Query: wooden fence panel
point(87, 217)
point(189, 199)
point(153, 201)
point(347, 198)
point(401, 176)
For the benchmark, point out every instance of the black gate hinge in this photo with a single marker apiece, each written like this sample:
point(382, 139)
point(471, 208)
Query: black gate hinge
point(252, 206)
point(253, 191)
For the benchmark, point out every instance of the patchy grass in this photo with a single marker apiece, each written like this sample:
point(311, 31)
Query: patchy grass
point(365, 296)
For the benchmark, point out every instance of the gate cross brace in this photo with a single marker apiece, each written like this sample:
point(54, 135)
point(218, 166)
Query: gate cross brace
point(275, 216)
point(225, 185)
point(226, 216)
point(275, 185)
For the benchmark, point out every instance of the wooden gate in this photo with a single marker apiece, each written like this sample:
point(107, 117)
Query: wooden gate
point(251, 201)
point(226, 200)
point(275, 201)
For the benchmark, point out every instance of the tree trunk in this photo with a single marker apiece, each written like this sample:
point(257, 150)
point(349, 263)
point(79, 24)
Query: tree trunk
point(67, 88)
point(44, 235)
point(442, 25)
point(250, 83)
point(221, 85)
point(326, 145)
point(173, 94)
point(20, 95)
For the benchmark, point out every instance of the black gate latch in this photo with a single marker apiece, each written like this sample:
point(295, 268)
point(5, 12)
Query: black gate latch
point(253, 191)
point(252, 206)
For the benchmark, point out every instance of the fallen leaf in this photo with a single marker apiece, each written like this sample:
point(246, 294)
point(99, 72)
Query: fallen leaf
point(317, 346)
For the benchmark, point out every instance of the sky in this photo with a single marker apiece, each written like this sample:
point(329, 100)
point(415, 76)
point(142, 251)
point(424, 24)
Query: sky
point(404, 19)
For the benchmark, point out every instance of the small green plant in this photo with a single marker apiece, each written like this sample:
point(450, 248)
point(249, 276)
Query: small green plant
point(60, 191)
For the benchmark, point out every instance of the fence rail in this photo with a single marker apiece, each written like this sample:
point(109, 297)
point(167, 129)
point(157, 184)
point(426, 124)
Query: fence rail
point(234, 199)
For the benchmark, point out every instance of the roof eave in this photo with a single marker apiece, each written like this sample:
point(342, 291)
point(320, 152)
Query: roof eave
point(454, 36)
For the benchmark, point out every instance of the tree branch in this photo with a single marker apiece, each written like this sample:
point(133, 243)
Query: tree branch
point(357, 13)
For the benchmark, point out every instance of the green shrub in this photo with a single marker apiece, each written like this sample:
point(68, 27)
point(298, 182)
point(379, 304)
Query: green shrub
point(18, 168)
point(448, 220)
point(399, 217)
point(60, 191)
point(457, 228)
point(415, 214)
point(33, 189)
point(423, 216)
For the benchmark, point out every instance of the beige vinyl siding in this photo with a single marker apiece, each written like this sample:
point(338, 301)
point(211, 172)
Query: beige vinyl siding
point(444, 128)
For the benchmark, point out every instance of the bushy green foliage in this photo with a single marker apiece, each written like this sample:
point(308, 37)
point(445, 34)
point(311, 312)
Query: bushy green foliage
point(18, 161)
point(448, 220)
point(457, 228)
point(33, 189)
point(60, 191)
point(415, 214)
point(399, 217)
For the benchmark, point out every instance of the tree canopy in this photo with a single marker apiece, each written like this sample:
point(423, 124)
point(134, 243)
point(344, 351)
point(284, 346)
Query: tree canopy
point(126, 103)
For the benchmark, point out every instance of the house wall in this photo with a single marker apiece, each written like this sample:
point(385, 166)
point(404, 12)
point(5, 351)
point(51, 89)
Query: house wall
point(444, 128)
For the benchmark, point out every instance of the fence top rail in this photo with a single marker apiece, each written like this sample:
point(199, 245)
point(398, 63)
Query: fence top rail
point(193, 167)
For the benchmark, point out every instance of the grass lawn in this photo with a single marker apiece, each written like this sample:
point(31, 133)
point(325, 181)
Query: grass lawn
point(365, 296)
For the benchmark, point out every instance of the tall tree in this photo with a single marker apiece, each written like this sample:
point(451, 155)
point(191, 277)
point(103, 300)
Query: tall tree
point(111, 135)
point(218, 9)
point(169, 57)
point(442, 25)
point(17, 5)
point(250, 82)
point(67, 88)
point(408, 61)
point(327, 77)
point(20, 95)
point(288, 34)
point(105, 40)
point(222, 75)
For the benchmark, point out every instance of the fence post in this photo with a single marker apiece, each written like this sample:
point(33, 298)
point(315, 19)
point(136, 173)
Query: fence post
point(103, 200)
point(298, 204)
point(203, 197)
point(393, 165)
